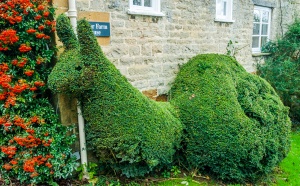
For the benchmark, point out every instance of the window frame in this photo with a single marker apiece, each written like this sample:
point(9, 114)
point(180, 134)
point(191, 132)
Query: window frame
point(229, 11)
point(155, 10)
point(260, 9)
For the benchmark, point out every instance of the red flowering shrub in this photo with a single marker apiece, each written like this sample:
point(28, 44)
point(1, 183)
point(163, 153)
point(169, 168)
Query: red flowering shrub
point(34, 147)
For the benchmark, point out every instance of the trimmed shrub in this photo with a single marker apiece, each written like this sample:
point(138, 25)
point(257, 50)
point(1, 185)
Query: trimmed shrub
point(237, 129)
point(281, 68)
point(128, 132)
point(65, 72)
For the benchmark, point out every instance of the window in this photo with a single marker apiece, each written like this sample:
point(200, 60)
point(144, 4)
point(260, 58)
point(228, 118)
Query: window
point(224, 10)
point(145, 7)
point(261, 27)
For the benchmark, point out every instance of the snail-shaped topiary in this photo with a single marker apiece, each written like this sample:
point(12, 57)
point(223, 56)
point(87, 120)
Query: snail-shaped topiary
point(236, 125)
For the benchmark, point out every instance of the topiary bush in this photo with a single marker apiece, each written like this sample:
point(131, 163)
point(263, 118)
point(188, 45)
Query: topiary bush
point(281, 68)
point(128, 132)
point(237, 128)
point(34, 146)
point(66, 71)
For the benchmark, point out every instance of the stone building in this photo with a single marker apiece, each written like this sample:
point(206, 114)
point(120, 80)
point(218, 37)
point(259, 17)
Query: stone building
point(150, 39)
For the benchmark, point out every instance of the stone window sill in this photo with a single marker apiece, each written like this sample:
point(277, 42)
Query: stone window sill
point(148, 13)
point(260, 54)
point(224, 20)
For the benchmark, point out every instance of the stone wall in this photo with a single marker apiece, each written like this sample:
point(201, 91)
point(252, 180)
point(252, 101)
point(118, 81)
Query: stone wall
point(149, 50)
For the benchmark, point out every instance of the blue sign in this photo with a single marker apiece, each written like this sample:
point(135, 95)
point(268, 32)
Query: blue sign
point(101, 29)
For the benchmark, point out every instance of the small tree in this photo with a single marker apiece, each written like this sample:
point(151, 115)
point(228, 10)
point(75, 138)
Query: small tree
point(281, 68)
point(34, 146)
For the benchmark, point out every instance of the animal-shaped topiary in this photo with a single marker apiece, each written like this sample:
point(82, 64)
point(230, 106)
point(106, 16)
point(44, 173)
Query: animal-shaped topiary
point(237, 128)
point(126, 130)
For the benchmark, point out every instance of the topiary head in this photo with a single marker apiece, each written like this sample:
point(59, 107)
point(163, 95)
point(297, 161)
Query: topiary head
point(65, 75)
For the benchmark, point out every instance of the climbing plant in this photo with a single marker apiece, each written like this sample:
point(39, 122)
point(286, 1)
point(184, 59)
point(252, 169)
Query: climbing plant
point(34, 146)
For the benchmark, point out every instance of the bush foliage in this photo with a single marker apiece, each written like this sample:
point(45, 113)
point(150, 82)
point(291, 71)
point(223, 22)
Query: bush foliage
point(65, 72)
point(34, 146)
point(281, 68)
point(237, 129)
point(128, 132)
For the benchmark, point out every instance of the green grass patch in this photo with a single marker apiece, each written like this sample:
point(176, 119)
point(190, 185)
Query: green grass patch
point(289, 169)
point(181, 182)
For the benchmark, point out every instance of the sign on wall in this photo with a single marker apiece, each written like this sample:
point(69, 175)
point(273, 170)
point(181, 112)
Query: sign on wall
point(101, 29)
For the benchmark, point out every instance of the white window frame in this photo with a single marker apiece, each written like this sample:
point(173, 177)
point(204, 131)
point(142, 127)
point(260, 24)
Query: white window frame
point(260, 9)
point(142, 10)
point(220, 17)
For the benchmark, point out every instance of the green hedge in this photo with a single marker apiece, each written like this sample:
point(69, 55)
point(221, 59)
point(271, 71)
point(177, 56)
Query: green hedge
point(237, 129)
point(127, 132)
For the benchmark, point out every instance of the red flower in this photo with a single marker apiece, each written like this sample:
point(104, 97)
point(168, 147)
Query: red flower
point(31, 31)
point(46, 37)
point(3, 48)
point(30, 131)
point(2, 120)
point(4, 67)
point(11, 100)
point(48, 165)
point(46, 14)
point(7, 166)
point(34, 119)
point(2, 96)
point(14, 62)
point(41, 27)
point(33, 89)
point(11, 4)
point(14, 162)
point(22, 63)
point(9, 36)
point(40, 35)
point(40, 7)
point(47, 22)
point(39, 83)
point(38, 17)
point(11, 20)
point(29, 72)
point(18, 88)
point(8, 124)
point(24, 48)
point(29, 165)
point(18, 19)
point(10, 151)
point(5, 80)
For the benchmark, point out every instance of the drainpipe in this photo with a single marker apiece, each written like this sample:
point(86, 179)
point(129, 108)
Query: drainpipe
point(72, 14)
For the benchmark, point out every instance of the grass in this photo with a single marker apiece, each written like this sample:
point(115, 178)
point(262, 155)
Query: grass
point(289, 169)
point(181, 182)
